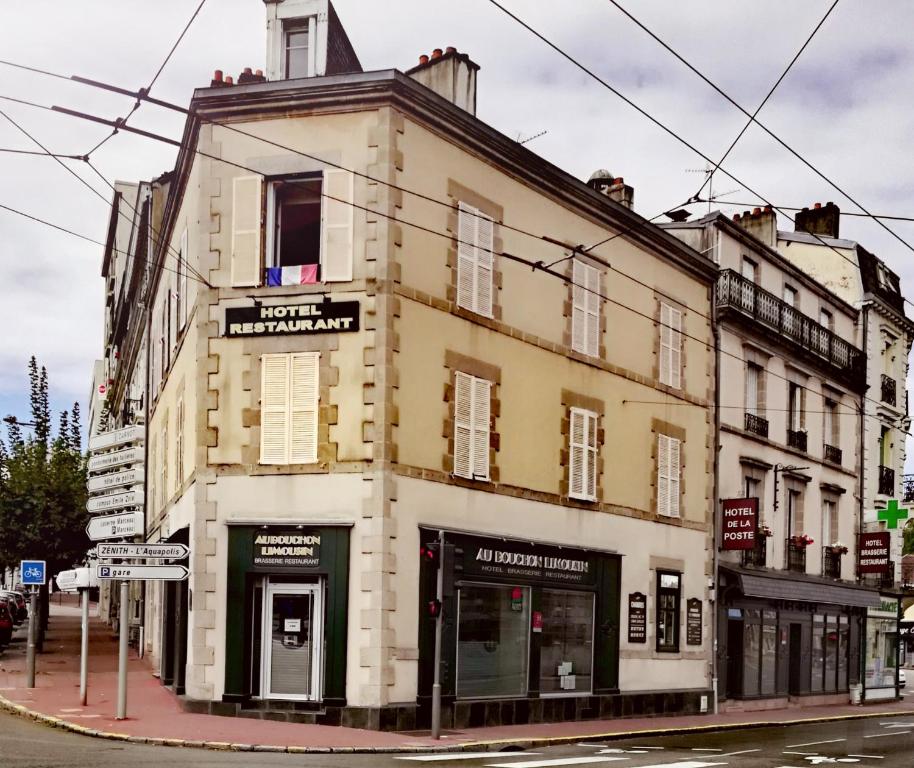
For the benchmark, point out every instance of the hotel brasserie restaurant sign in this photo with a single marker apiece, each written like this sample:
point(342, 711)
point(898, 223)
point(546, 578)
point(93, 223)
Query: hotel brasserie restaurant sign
point(289, 319)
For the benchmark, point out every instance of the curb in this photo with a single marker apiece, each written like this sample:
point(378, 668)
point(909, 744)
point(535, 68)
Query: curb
point(491, 745)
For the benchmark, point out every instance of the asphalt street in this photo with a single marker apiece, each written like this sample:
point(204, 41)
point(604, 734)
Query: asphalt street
point(870, 743)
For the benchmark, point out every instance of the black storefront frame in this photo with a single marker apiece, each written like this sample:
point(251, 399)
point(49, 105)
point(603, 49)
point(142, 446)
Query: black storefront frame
point(244, 578)
point(603, 578)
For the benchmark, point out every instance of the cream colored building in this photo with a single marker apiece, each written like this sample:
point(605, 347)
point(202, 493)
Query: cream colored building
point(358, 354)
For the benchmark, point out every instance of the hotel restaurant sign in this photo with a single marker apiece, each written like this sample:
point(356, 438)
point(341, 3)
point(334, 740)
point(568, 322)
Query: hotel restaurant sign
point(520, 561)
point(292, 319)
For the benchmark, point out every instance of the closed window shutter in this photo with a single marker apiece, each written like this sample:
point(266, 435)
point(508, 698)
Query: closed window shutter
point(485, 243)
point(667, 476)
point(274, 409)
point(579, 308)
point(481, 410)
point(463, 424)
point(670, 346)
point(593, 311)
point(466, 256)
point(179, 442)
point(591, 450)
point(304, 408)
point(246, 208)
point(336, 226)
point(674, 477)
point(182, 283)
point(582, 455)
point(752, 390)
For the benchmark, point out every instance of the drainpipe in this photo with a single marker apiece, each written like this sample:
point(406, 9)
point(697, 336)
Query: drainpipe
point(860, 482)
point(716, 501)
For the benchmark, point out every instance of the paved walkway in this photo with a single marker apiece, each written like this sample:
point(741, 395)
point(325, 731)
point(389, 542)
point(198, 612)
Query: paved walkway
point(154, 714)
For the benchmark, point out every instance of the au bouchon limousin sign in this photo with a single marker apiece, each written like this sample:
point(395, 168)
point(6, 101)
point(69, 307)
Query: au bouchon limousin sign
point(291, 319)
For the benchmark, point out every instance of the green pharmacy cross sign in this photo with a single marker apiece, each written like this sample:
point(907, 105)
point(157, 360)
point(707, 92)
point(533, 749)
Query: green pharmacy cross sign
point(892, 514)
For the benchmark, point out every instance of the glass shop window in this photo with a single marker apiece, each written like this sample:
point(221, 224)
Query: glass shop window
point(830, 644)
point(843, 645)
point(668, 598)
point(493, 627)
point(769, 649)
point(818, 653)
point(752, 644)
point(566, 650)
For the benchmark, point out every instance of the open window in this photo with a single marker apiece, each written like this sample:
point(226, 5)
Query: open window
point(294, 236)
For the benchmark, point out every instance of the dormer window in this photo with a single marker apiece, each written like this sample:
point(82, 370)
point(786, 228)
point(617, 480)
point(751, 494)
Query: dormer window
point(297, 49)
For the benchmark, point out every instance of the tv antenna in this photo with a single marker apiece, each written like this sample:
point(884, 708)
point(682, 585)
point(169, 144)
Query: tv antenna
point(709, 172)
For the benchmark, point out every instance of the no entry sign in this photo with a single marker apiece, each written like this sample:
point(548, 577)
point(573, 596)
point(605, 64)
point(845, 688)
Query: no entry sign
point(739, 524)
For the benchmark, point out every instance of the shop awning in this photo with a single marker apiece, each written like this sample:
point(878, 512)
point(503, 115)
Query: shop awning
point(808, 590)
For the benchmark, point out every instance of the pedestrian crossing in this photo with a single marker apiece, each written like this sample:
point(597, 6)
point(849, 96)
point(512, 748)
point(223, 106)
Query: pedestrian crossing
point(521, 760)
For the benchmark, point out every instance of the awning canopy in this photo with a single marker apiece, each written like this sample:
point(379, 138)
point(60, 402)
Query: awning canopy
point(785, 586)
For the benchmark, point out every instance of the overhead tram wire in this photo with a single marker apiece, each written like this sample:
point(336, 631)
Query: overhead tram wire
point(778, 139)
point(87, 185)
point(450, 237)
point(11, 151)
point(687, 143)
point(63, 229)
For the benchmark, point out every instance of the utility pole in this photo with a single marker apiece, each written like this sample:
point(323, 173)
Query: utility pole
point(33, 631)
point(436, 685)
point(84, 649)
point(122, 653)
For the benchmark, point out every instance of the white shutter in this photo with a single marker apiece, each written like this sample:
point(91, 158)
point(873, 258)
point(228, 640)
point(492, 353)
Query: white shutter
point(246, 208)
point(466, 257)
point(593, 311)
point(336, 226)
point(485, 243)
point(579, 308)
point(582, 455)
point(179, 443)
point(274, 409)
point(674, 477)
point(752, 373)
point(591, 463)
point(304, 408)
point(182, 283)
point(667, 476)
point(463, 424)
point(670, 346)
point(481, 411)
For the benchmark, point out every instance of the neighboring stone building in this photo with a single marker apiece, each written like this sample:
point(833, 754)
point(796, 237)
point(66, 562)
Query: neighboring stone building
point(369, 361)
point(791, 617)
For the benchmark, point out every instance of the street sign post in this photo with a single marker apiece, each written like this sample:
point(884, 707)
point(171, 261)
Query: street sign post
point(140, 572)
point(76, 579)
point(32, 573)
point(161, 551)
point(112, 480)
point(118, 526)
point(120, 500)
point(114, 459)
point(105, 440)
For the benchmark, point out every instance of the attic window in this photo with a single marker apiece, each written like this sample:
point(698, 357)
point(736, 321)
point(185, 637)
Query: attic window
point(296, 53)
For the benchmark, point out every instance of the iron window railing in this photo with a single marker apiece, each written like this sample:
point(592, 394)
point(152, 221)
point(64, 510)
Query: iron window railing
point(757, 425)
point(907, 487)
point(738, 294)
point(796, 438)
point(758, 555)
point(796, 556)
point(832, 454)
point(888, 389)
point(831, 563)
point(886, 481)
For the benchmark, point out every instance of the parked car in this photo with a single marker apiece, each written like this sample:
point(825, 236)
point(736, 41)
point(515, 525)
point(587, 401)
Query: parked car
point(901, 678)
point(6, 624)
point(20, 611)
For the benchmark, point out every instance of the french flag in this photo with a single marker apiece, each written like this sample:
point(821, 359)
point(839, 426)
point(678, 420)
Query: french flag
point(302, 274)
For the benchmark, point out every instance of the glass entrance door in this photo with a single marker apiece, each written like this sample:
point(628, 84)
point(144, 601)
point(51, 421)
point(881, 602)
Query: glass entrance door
point(292, 642)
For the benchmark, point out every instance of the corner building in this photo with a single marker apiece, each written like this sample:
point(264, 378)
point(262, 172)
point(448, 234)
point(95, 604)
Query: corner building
point(374, 363)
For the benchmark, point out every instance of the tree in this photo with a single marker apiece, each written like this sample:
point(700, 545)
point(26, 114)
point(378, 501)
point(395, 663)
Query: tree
point(908, 545)
point(43, 485)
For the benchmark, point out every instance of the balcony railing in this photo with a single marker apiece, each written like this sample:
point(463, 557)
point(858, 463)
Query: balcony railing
point(756, 424)
point(796, 556)
point(888, 389)
point(907, 487)
point(737, 294)
point(796, 438)
point(886, 481)
point(832, 454)
point(881, 580)
point(831, 563)
point(758, 555)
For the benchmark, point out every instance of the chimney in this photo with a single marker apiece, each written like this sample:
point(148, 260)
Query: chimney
point(449, 74)
point(760, 222)
point(614, 187)
point(821, 219)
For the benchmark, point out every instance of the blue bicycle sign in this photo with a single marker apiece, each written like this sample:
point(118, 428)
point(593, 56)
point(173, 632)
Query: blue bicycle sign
point(33, 573)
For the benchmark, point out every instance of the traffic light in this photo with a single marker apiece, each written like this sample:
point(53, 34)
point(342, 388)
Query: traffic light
point(433, 608)
point(452, 568)
point(429, 554)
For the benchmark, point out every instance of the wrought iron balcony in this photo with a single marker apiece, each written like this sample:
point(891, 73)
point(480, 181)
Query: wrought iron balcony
point(832, 454)
point(886, 481)
point(741, 297)
point(831, 563)
point(796, 438)
point(907, 487)
point(756, 424)
point(758, 555)
point(881, 580)
point(888, 389)
point(796, 556)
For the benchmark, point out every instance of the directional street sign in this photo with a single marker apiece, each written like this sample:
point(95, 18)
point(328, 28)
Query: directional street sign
point(109, 482)
point(159, 550)
point(116, 459)
point(117, 437)
point(32, 573)
point(140, 572)
point(132, 498)
point(115, 526)
point(76, 579)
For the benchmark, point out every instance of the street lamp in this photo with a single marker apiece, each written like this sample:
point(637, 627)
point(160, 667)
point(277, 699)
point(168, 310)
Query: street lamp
point(14, 422)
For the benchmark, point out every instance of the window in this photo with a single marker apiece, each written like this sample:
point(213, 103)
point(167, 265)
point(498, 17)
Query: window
point(830, 423)
point(829, 522)
point(585, 312)
point(826, 318)
point(582, 455)
point(179, 442)
point(566, 642)
point(668, 597)
point(289, 408)
point(163, 478)
point(750, 269)
point(667, 476)
point(475, 283)
point(181, 285)
point(296, 53)
point(670, 346)
point(294, 210)
point(153, 486)
point(472, 406)
point(790, 296)
point(753, 382)
point(794, 513)
point(794, 407)
point(751, 487)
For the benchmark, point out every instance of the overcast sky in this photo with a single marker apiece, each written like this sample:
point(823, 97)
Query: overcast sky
point(846, 106)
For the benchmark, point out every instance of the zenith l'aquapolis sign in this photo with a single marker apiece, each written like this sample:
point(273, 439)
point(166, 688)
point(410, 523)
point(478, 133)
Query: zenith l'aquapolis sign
point(291, 319)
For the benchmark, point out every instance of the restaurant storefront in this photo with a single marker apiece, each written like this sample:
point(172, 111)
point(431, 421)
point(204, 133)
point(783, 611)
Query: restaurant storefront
point(787, 638)
point(534, 626)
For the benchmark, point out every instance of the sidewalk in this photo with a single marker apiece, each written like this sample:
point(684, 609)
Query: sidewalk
point(155, 716)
